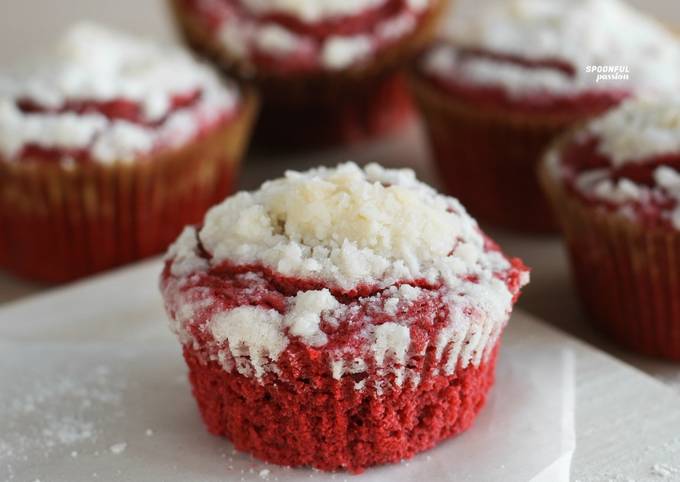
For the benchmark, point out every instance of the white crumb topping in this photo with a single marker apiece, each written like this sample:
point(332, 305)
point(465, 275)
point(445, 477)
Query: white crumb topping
point(184, 255)
point(243, 33)
point(341, 52)
point(581, 33)
point(92, 64)
point(391, 338)
point(251, 332)
point(305, 315)
point(634, 133)
point(258, 333)
point(638, 130)
point(347, 227)
point(311, 10)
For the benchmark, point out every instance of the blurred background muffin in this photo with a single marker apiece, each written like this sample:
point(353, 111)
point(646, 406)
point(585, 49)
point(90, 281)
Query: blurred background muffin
point(615, 188)
point(328, 69)
point(513, 76)
point(109, 144)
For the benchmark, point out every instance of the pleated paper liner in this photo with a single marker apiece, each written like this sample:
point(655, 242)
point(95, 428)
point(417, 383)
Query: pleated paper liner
point(366, 111)
point(488, 159)
point(63, 222)
point(328, 107)
point(628, 275)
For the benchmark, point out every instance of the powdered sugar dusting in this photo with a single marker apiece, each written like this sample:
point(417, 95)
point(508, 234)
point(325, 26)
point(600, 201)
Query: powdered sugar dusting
point(33, 424)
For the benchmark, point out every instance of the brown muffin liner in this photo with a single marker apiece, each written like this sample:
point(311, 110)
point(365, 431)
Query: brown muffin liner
point(63, 222)
point(324, 107)
point(488, 159)
point(628, 276)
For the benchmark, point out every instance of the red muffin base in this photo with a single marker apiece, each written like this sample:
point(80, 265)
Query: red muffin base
point(321, 422)
point(627, 275)
point(61, 223)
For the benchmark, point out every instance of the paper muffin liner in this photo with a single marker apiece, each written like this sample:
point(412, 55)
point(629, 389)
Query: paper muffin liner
point(61, 222)
point(301, 415)
point(488, 160)
point(364, 111)
point(628, 275)
point(323, 107)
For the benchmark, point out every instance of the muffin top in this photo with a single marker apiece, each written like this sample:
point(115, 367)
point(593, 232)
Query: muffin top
point(363, 264)
point(627, 161)
point(107, 97)
point(538, 53)
point(297, 36)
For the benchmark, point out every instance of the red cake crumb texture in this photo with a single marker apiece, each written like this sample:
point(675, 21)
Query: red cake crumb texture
point(105, 97)
point(297, 37)
point(627, 161)
point(339, 318)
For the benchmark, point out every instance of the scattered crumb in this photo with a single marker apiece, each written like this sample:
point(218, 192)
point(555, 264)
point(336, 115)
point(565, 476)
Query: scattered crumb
point(664, 470)
point(56, 414)
point(118, 448)
point(264, 473)
point(149, 432)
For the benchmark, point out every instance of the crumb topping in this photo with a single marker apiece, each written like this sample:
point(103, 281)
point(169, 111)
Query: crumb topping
point(531, 46)
point(111, 95)
point(629, 160)
point(343, 259)
point(311, 34)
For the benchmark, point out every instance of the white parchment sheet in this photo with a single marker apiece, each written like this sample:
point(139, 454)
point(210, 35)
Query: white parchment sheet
point(123, 411)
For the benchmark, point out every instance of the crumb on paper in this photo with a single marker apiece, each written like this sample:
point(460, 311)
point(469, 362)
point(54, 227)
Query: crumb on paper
point(665, 470)
point(149, 432)
point(118, 448)
point(264, 473)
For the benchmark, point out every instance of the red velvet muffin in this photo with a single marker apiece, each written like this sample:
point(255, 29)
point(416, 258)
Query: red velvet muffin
point(326, 68)
point(518, 75)
point(615, 187)
point(339, 318)
point(108, 148)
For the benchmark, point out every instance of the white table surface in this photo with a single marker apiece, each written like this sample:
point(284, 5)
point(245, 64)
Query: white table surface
point(626, 424)
point(25, 25)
